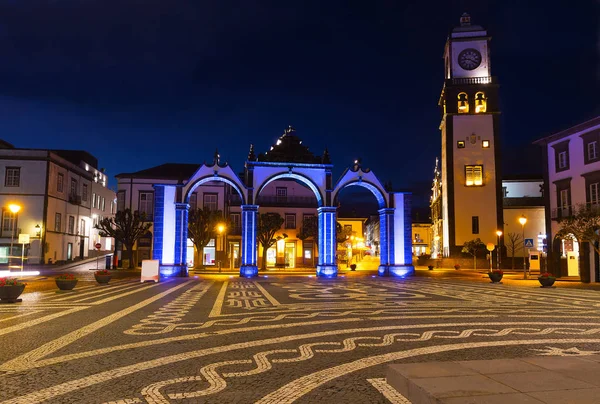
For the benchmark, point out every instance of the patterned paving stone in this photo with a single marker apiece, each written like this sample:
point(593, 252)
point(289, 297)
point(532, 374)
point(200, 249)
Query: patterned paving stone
point(275, 340)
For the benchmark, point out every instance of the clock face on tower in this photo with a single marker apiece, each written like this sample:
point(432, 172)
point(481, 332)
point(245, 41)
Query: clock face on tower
point(469, 59)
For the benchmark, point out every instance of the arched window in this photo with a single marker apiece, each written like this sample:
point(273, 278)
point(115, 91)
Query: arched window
point(480, 103)
point(463, 103)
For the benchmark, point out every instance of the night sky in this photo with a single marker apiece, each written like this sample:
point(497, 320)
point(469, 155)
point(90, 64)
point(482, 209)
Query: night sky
point(141, 83)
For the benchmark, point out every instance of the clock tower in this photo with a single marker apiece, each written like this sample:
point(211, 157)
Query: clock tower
point(470, 164)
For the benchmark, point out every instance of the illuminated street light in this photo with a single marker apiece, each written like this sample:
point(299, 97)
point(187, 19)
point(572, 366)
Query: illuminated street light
point(220, 229)
point(523, 220)
point(498, 233)
point(14, 208)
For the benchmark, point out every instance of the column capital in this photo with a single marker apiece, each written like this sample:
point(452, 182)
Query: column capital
point(327, 209)
point(249, 208)
point(182, 206)
point(386, 211)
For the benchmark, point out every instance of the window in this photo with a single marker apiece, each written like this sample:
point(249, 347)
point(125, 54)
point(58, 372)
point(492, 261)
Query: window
point(93, 200)
point(82, 227)
point(57, 222)
point(562, 160)
point(120, 201)
point(290, 221)
point(210, 202)
point(13, 177)
point(112, 207)
point(474, 175)
point(480, 103)
point(103, 204)
point(60, 183)
point(594, 194)
point(73, 187)
point(348, 228)
point(281, 193)
point(193, 200)
point(475, 224)
point(8, 222)
point(460, 144)
point(592, 150)
point(485, 144)
point(561, 155)
point(146, 204)
point(71, 227)
point(84, 192)
point(463, 103)
point(236, 222)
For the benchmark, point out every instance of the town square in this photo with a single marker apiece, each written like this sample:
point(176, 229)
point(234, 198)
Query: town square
point(299, 202)
point(278, 339)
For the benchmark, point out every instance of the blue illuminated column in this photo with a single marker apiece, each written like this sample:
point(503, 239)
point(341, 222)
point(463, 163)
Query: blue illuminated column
point(181, 236)
point(248, 269)
point(327, 266)
point(386, 241)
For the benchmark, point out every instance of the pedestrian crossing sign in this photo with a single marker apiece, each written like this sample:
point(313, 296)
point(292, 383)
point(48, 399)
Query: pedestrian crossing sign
point(528, 243)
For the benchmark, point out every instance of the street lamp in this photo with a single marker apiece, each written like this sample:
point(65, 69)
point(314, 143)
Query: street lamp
point(220, 229)
point(14, 208)
point(498, 233)
point(523, 220)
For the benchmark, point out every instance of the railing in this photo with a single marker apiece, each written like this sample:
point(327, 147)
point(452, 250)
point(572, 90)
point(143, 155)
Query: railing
point(524, 201)
point(291, 201)
point(235, 200)
point(75, 199)
point(235, 231)
point(472, 80)
point(568, 211)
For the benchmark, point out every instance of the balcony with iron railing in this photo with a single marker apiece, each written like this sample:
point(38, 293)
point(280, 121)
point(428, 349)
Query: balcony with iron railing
point(288, 201)
point(563, 212)
point(75, 199)
point(471, 80)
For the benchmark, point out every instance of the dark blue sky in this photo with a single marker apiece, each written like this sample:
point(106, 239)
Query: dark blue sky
point(140, 83)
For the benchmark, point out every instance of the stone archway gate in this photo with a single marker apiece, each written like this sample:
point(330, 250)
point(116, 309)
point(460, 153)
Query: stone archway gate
point(171, 213)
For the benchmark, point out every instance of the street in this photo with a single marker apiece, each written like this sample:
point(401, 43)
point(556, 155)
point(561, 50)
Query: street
point(275, 339)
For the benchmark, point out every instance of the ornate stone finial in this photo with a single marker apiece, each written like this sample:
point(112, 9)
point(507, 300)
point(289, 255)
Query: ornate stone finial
point(217, 157)
point(326, 159)
point(465, 20)
point(251, 155)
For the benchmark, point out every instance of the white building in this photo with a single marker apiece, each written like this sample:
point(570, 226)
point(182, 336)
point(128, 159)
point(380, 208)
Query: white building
point(572, 169)
point(60, 194)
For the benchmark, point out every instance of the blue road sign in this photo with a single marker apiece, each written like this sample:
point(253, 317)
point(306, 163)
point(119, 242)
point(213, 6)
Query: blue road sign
point(528, 243)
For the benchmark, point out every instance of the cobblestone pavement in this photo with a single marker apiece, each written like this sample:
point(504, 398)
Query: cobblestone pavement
point(275, 339)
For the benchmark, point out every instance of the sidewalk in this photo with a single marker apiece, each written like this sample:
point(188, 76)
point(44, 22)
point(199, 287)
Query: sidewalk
point(511, 278)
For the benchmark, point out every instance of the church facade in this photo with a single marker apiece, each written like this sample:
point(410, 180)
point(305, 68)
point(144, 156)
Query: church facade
point(172, 188)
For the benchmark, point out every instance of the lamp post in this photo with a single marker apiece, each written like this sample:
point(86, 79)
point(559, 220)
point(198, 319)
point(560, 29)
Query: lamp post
point(498, 233)
point(14, 208)
point(220, 229)
point(523, 220)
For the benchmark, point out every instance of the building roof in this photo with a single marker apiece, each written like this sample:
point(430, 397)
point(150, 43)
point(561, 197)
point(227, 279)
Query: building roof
point(168, 171)
point(289, 149)
point(570, 131)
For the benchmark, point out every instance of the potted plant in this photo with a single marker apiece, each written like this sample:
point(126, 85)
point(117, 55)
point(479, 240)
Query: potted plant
point(10, 290)
point(496, 275)
point(66, 281)
point(102, 276)
point(457, 267)
point(353, 267)
point(546, 279)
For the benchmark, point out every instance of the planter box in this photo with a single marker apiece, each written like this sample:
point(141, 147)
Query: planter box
point(102, 279)
point(495, 277)
point(546, 282)
point(10, 294)
point(65, 284)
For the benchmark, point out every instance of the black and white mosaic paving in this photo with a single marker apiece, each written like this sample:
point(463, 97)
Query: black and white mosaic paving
point(272, 340)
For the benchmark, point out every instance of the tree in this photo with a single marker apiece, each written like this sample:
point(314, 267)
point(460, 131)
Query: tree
point(583, 225)
point(515, 243)
point(341, 234)
point(126, 227)
point(202, 227)
point(472, 247)
point(268, 225)
point(310, 228)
